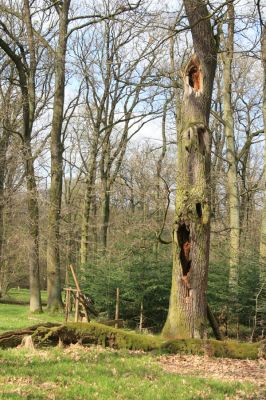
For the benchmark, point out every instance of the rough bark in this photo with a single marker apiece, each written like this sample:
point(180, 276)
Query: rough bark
point(187, 312)
point(233, 193)
point(56, 147)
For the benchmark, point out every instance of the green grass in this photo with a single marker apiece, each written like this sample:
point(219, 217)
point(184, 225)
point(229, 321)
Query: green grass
point(93, 373)
point(23, 294)
point(96, 374)
point(15, 317)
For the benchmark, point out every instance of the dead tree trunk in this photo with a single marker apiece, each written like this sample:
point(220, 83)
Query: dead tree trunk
point(187, 312)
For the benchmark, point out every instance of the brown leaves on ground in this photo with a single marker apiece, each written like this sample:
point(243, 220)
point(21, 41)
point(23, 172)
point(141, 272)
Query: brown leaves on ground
point(228, 369)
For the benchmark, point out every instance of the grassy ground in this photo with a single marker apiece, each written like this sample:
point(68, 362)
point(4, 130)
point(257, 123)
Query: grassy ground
point(93, 373)
point(78, 373)
point(23, 294)
point(16, 316)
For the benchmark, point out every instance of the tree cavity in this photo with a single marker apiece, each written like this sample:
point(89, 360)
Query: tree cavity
point(184, 241)
point(193, 73)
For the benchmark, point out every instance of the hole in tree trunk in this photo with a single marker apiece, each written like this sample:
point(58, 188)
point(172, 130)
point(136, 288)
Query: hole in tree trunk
point(194, 74)
point(199, 210)
point(194, 78)
point(183, 236)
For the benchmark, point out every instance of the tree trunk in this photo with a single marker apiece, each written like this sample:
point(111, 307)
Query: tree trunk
point(90, 183)
point(3, 150)
point(53, 258)
point(263, 223)
point(187, 312)
point(105, 212)
point(233, 195)
point(26, 74)
point(33, 210)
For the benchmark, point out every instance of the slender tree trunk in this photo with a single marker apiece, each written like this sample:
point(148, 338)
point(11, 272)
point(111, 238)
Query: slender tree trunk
point(26, 74)
point(263, 223)
point(90, 184)
point(187, 312)
point(233, 193)
point(32, 192)
point(53, 259)
point(3, 150)
point(105, 212)
point(33, 210)
point(159, 215)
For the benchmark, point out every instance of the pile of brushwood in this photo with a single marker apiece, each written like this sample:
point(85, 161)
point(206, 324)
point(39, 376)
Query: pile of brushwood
point(98, 334)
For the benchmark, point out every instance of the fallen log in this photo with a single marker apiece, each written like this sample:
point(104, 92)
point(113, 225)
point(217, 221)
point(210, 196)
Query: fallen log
point(14, 338)
point(98, 334)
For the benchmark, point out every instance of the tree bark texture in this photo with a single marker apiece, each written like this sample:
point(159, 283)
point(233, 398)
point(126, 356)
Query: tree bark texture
point(187, 312)
point(53, 260)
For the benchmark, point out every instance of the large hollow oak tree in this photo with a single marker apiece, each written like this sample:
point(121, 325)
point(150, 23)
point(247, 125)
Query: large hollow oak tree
point(187, 312)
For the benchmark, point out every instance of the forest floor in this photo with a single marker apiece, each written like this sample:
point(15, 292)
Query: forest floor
point(77, 372)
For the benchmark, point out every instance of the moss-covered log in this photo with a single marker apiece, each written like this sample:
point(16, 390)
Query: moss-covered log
point(215, 348)
point(98, 334)
point(14, 338)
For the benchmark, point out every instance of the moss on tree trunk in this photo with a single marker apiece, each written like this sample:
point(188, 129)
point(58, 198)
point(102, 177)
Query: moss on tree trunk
point(191, 233)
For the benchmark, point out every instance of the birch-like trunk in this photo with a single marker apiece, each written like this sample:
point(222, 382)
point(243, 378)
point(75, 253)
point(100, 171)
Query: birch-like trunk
point(187, 312)
point(232, 187)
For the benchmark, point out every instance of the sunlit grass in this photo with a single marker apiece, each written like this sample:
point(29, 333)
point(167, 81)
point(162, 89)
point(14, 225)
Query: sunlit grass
point(23, 294)
point(82, 373)
point(78, 373)
point(15, 317)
